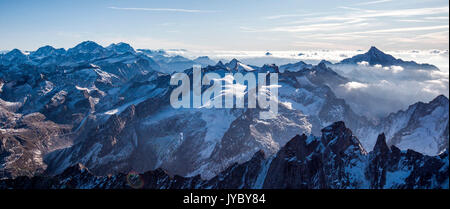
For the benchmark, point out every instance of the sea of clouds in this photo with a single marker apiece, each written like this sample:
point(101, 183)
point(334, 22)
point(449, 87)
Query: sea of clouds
point(374, 91)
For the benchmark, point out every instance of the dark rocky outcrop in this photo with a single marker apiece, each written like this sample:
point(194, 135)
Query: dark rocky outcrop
point(335, 160)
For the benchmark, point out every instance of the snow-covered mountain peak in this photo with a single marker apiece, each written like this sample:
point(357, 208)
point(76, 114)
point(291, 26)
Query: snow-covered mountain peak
point(219, 64)
point(441, 99)
point(324, 63)
point(80, 91)
point(204, 61)
point(121, 48)
point(232, 63)
point(422, 127)
point(376, 57)
point(294, 67)
point(338, 137)
point(14, 53)
point(236, 65)
point(46, 51)
point(13, 56)
point(86, 47)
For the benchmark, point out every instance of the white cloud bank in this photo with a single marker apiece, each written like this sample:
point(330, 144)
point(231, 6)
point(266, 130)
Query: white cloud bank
point(376, 91)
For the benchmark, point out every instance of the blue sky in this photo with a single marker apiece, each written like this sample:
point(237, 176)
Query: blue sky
point(227, 25)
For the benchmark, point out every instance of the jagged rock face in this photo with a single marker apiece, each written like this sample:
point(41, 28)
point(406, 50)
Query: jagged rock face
point(309, 162)
point(339, 161)
point(190, 142)
point(67, 88)
point(393, 168)
point(24, 142)
point(335, 160)
point(112, 103)
point(422, 127)
point(65, 100)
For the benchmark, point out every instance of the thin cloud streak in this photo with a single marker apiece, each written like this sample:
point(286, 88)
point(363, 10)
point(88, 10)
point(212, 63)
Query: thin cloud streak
point(309, 28)
point(363, 15)
point(437, 18)
point(362, 34)
point(335, 26)
point(373, 2)
point(274, 17)
point(367, 13)
point(359, 16)
point(393, 30)
point(404, 12)
point(162, 9)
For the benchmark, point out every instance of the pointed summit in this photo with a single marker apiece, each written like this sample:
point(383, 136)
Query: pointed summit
point(15, 52)
point(381, 146)
point(220, 64)
point(324, 63)
point(236, 65)
point(338, 127)
point(234, 61)
point(375, 50)
point(338, 137)
point(233, 64)
point(376, 57)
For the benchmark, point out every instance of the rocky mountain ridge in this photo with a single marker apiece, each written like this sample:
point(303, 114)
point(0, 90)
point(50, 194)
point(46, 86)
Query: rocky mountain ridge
point(108, 109)
point(336, 160)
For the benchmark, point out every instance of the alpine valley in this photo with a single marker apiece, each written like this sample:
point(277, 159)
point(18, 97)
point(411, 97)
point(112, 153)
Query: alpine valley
point(100, 117)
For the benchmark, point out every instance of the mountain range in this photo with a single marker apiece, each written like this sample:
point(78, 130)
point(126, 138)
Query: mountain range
point(90, 111)
point(336, 160)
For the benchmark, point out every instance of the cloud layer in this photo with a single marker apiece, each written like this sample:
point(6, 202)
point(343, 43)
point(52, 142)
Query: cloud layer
point(376, 91)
